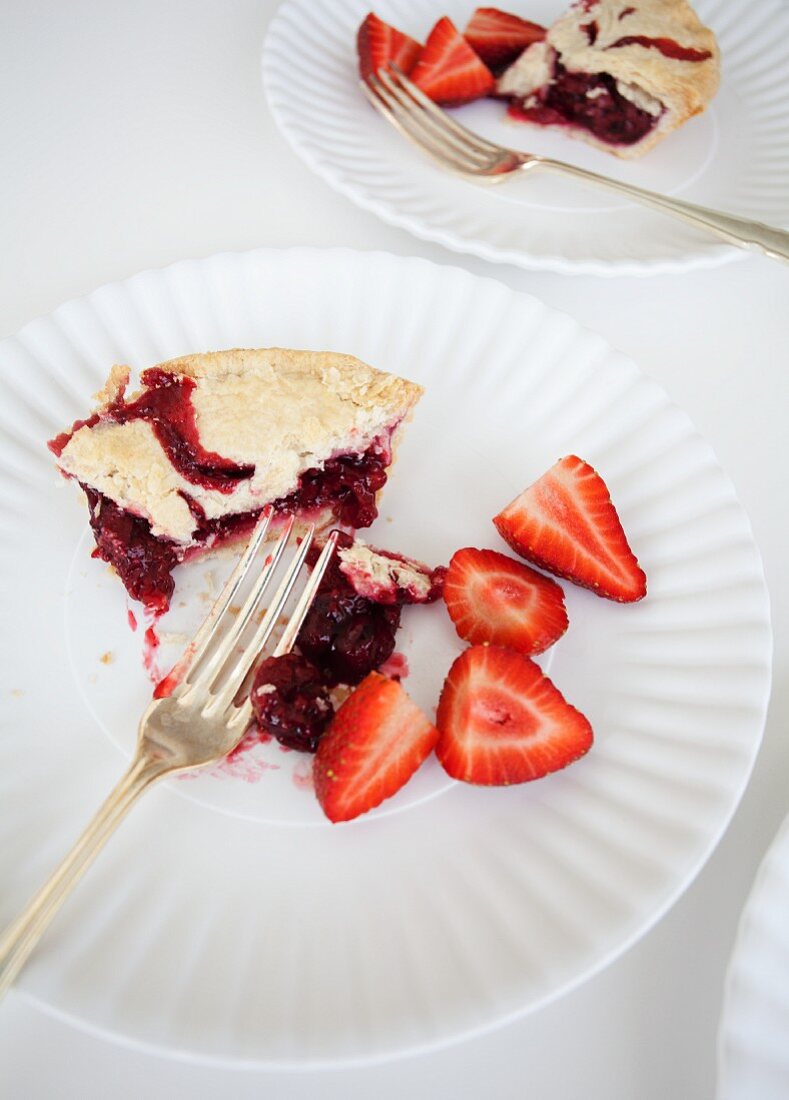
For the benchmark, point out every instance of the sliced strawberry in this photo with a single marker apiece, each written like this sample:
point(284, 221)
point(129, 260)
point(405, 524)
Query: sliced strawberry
point(499, 38)
point(502, 721)
point(376, 741)
point(377, 43)
point(565, 523)
point(491, 598)
point(448, 70)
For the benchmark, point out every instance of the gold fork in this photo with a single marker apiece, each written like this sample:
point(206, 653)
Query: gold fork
point(467, 154)
point(197, 723)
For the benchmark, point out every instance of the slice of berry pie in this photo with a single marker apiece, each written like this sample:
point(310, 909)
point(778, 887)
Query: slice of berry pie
point(620, 74)
point(188, 462)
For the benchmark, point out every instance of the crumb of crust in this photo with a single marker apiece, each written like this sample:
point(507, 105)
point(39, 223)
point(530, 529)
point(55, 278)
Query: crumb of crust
point(17, 693)
point(339, 694)
point(234, 609)
point(107, 658)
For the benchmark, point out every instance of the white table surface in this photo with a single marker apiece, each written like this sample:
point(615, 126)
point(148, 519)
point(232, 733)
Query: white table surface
point(136, 133)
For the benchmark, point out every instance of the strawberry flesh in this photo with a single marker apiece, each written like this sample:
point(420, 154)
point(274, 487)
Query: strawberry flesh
point(566, 524)
point(448, 70)
point(501, 720)
point(500, 38)
point(493, 599)
point(376, 741)
point(377, 44)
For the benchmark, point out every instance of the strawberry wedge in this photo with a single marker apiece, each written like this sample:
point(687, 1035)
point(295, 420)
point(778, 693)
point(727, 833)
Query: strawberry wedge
point(376, 741)
point(448, 70)
point(566, 524)
point(493, 599)
point(499, 38)
point(377, 44)
point(502, 721)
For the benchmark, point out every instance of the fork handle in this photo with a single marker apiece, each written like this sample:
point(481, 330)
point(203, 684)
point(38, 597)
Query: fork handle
point(20, 938)
point(738, 231)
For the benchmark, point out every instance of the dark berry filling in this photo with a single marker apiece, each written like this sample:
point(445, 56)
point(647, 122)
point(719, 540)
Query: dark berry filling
point(290, 702)
point(143, 562)
point(590, 100)
point(344, 634)
point(347, 635)
point(344, 637)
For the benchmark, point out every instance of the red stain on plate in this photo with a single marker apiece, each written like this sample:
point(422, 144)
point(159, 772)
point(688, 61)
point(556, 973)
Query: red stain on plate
point(244, 762)
point(149, 647)
point(303, 779)
point(395, 667)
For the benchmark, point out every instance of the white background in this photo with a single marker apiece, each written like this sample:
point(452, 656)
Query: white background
point(136, 133)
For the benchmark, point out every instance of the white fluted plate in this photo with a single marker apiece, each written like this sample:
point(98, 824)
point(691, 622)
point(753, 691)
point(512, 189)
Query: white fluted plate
point(228, 920)
point(735, 157)
point(752, 1040)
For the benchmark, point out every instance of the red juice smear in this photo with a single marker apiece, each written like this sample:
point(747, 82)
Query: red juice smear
point(150, 645)
point(667, 46)
point(395, 667)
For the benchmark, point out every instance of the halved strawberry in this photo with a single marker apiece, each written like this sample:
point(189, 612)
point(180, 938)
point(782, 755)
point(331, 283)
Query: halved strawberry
point(502, 721)
point(376, 741)
point(377, 43)
point(499, 38)
point(491, 598)
point(448, 70)
point(565, 523)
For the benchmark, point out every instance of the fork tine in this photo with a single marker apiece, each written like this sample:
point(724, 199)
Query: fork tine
point(217, 654)
point(291, 631)
point(206, 632)
point(435, 127)
point(244, 712)
point(442, 117)
point(240, 666)
point(409, 125)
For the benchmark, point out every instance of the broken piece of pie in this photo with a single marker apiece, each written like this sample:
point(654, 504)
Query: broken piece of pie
point(188, 462)
point(620, 74)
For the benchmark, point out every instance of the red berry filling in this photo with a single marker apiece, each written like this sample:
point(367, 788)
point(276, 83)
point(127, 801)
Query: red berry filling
point(667, 46)
point(589, 100)
point(290, 701)
point(348, 483)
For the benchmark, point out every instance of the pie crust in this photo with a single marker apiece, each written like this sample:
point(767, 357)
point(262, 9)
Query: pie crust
point(279, 410)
